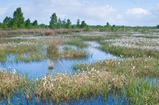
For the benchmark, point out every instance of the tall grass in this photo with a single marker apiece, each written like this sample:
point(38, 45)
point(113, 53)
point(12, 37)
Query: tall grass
point(52, 49)
point(137, 89)
point(66, 87)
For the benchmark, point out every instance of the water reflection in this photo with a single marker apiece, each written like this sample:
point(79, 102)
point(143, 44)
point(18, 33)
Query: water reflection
point(109, 100)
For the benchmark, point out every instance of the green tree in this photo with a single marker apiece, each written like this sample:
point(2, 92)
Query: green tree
point(7, 22)
point(53, 22)
point(1, 25)
point(43, 26)
point(59, 23)
point(157, 26)
point(108, 25)
point(83, 24)
point(35, 23)
point(27, 23)
point(64, 23)
point(78, 23)
point(18, 19)
point(68, 24)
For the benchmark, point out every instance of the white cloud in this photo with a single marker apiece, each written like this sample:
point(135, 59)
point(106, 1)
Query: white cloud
point(137, 11)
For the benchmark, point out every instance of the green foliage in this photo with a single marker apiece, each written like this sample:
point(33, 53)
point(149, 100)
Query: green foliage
point(64, 23)
point(87, 29)
point(59, 23)
point(18, 19)
point(157, 26)
point(1, 25)
point(43, 26)
point(78, 23)
point(27, 23)
point(35, 24)
point(7, 22)
point(53, 22)
point(83, 24)
point(68, 24)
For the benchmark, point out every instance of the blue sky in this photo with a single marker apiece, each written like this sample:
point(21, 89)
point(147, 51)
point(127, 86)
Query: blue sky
point(94, 12)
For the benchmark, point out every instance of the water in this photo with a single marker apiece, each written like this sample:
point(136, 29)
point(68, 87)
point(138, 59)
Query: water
point(109, 100)
point(37, 69)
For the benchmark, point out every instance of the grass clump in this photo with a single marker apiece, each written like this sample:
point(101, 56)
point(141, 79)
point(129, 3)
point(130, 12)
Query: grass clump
point(10, 84)
point(23, 51)
point(141, 91)
point(66, 87)
point(52, 50)
point(78, 43)
point(73, 54)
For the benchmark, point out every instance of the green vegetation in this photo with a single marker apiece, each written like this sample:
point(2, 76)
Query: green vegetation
point(52, 50)
point(128, 52)
point(136, 88)
point(73, 54)
point(77, 42)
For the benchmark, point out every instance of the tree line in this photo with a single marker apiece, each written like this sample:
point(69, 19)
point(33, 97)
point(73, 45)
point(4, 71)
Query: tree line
point(18, 22)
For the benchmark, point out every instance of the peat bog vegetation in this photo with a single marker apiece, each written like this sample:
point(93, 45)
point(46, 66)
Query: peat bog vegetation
point(130, 73)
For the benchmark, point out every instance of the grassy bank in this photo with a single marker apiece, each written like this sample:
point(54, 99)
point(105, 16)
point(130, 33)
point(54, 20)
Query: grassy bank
point(128, 52)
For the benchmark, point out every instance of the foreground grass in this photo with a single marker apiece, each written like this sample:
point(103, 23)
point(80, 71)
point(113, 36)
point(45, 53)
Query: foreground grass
point(66, 87)
point(137, 88)
point(93, 82)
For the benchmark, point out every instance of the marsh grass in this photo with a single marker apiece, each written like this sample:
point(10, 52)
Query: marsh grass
point(128, 52)
point(23, 52)
point(78, 43)
point(73, 54)
point(139, 67)
point(3, 53)
point(10, 84)
point(52, 49)
point(141, 91)
point(66, 87)
point(137, 89)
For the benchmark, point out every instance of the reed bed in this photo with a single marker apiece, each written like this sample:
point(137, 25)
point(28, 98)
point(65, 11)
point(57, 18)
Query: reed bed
point(135, 70)
point(11, 83)
point(66, 87)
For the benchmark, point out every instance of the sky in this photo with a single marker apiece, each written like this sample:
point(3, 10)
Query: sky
point(94, 12)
